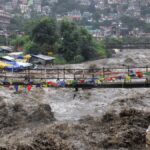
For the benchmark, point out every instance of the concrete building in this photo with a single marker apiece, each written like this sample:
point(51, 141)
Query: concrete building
point(74, 15)
point(24, 8)
point(37, 5)
point(147, 19)
point(14, 3)
point(4, 19)
point(8, 7)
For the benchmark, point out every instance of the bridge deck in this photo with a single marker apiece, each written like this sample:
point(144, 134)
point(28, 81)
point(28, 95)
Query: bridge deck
point(116, 85)
point(126, 77)
point(88, 86)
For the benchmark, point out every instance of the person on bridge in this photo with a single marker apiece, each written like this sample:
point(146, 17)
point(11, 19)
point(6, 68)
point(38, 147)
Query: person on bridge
point(147, 80)
point(74, 84)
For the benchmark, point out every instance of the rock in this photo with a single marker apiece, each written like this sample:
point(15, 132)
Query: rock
point(3, 148)
point(129, 61)
point(42, 113)
point(45, 141)
point(15, 115)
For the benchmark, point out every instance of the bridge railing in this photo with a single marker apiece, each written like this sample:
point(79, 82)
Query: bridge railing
point(47, 73)
point(115, 77)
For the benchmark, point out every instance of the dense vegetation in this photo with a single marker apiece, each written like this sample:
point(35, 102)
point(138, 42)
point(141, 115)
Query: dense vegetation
point(65, 40)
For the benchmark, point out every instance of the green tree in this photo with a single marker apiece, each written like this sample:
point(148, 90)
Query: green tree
point(31, 48)
point(69, 35)
point(87, 46)
point(45, 32)
point(113, 41)
point(77, 43)
point(29, 26)
point(67, 41)
point(20, 41)
point(100, 48)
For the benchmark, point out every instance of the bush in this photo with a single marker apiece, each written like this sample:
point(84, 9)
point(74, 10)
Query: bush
point(59, 60)
point(100, 49)
point(78, 59)
point(20, 41)
point(31, 48)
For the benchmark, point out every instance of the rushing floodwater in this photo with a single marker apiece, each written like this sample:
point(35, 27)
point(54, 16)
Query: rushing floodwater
point(69, 105)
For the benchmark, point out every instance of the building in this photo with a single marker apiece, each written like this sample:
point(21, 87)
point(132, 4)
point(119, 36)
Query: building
point(4, 50)
point(147, 19)
point(23, 2)
point(7, 58)
point(74, 15)
point(4, 19)
point(37, 5)
point(41, 59)
point(8, 7)
point(14, 3)
point(24, 8)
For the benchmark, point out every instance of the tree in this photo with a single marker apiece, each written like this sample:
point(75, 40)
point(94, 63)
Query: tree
point(88, 48)
point(20, 41)
point(31, 48)
point(77, 44)
point(45, 32)
point(66, 40)
point(113, 41)
point(30, 25)
point(68, 35)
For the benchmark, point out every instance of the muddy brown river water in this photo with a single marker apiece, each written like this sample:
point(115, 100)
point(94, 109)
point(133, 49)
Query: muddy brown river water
point(93, 119)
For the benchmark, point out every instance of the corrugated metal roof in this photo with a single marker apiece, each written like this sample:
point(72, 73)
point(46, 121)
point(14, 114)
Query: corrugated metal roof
point(7, 48)
point(15, 53)
point(8, 58)
point(44, 57)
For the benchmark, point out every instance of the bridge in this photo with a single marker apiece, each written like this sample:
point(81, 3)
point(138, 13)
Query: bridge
point(123, 77)
point(128, 46)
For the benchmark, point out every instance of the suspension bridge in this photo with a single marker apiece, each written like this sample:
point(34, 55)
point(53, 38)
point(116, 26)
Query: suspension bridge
point(128, 46)
point(123, 77)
